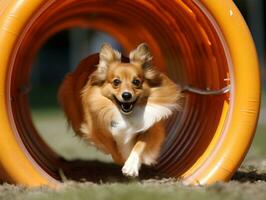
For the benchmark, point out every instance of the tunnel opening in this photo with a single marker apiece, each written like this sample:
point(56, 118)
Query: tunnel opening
point(186, 45)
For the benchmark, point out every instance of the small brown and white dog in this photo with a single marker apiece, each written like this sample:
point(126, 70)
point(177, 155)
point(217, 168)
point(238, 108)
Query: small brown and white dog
point(121, 107)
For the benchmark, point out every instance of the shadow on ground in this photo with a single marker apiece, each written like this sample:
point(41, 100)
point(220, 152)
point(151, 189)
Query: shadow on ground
point(102, 172)
point(251, 176)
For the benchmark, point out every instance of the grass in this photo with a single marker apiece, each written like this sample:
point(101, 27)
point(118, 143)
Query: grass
point(147, 190)
point(248, 183)
point(52, 126)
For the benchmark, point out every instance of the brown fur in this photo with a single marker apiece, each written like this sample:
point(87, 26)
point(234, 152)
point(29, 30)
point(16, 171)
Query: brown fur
point(89, 100)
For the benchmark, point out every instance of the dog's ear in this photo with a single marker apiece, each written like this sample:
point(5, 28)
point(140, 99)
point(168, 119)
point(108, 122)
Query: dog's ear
point(141, 56)
point(107, 55)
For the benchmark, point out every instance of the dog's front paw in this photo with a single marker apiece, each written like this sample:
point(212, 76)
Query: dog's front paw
point(132, 165)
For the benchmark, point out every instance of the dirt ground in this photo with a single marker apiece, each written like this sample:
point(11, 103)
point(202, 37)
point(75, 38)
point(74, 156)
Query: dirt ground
point(248, 183)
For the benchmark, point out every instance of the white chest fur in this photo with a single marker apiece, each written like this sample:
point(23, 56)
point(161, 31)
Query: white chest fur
point(125, 128)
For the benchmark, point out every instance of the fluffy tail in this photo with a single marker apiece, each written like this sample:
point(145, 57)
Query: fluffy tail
point(70, 102)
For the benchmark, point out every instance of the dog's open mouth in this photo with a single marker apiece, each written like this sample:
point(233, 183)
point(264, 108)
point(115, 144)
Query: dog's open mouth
point(125, 107)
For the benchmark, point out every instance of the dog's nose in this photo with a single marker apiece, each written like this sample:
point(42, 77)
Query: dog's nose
point(126, 96)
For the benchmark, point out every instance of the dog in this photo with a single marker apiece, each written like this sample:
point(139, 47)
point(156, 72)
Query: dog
point(121, 107)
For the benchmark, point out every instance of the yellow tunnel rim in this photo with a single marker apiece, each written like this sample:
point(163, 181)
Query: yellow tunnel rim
point(215, 170)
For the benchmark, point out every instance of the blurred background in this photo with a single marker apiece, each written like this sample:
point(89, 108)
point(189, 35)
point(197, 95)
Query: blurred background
point(69, 47)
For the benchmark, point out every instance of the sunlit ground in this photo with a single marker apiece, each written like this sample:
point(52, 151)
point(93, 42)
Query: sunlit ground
point(54, 129)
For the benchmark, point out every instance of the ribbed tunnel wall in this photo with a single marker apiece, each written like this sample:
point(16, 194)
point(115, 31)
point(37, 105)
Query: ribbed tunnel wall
point(186, 43)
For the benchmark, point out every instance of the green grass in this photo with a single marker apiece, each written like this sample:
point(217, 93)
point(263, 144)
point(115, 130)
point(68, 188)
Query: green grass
point(147, 190)
point(53, 128)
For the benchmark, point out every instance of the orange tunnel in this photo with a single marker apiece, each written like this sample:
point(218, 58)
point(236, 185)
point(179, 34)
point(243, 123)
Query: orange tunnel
point(203, 43)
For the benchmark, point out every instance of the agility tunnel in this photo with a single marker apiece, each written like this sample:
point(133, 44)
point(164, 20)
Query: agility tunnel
point(202, 43)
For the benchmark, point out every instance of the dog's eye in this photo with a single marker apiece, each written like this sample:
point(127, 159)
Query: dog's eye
point(136, 82)
point(116, 82)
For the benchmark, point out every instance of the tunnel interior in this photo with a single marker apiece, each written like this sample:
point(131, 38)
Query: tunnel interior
point(186, 45)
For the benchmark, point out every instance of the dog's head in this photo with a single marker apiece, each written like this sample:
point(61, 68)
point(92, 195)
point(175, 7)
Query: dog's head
point(126, 84)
